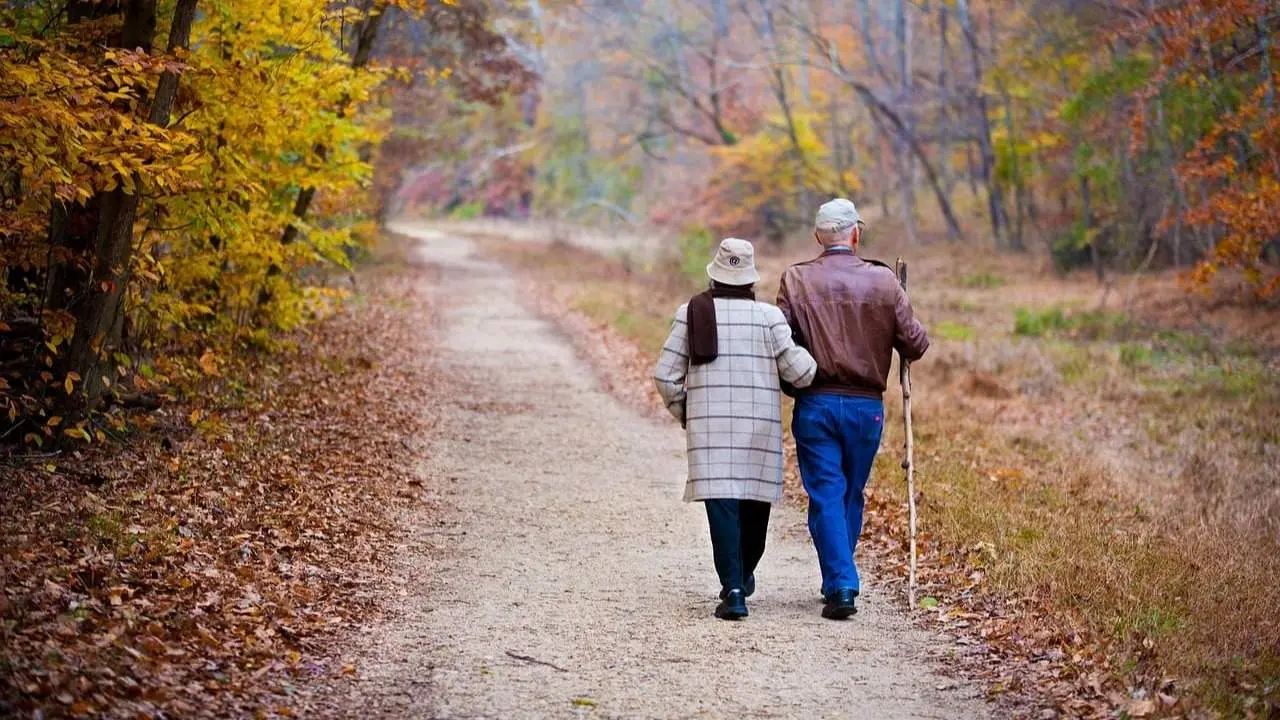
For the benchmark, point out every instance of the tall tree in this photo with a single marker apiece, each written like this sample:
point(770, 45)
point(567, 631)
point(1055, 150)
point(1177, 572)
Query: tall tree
point(905, 103)
point(995, 201)
point(97, 298)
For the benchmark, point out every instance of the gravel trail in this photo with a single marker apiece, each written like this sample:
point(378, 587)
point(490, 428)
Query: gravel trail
point(567, 579)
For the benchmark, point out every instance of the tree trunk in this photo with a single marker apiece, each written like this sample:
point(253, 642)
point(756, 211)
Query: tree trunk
point(97, 314)
point(184, 16)
point(877, 141)
point(838, 155)
point(1179, 198)
point(906, 161)
point(1264, 44)
point(872, 56)
point(944, 103)
point(1019, 187)
point(995, 202)
point(869, 39)
point(972, 166)
point(878, 106)
point(72, 226)
point(1095, 256)
point(713, 71)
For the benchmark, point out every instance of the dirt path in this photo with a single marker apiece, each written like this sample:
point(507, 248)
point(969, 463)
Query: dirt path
point(566, 578)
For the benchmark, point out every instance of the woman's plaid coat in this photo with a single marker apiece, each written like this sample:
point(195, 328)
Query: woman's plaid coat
point(732, 406)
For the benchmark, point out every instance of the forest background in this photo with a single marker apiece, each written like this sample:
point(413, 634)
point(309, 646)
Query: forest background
point(186, 184)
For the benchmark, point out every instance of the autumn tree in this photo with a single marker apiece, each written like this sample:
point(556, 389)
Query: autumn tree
point(146, 184)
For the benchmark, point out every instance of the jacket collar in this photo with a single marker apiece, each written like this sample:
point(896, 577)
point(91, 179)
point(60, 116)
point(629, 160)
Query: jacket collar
point(837, 250)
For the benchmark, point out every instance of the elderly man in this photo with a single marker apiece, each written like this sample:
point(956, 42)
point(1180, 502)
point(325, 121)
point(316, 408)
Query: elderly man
point(851, 314)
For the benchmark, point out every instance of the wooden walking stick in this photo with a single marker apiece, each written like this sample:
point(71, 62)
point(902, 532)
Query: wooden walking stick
point(904, 379)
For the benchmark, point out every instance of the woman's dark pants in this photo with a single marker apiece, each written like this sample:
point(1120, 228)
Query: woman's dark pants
point(738, 530)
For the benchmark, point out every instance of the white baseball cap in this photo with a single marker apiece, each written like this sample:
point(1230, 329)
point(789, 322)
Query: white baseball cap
point(837, 215)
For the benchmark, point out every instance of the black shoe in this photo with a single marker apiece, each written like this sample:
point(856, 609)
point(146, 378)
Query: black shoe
point(733, 606)
point(823, 596)
point(749, 588)
point(840, 605)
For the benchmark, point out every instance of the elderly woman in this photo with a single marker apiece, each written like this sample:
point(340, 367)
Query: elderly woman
point(718, 374)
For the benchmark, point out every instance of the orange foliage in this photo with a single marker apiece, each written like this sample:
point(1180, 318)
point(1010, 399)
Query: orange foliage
point(1231, 172)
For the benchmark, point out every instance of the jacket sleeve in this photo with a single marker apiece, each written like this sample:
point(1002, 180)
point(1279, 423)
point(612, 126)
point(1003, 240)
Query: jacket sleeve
point(796, 367)
point(788, 313)
point(784, 296)
point(784, 304)
point(673, 365)
point(910, 338)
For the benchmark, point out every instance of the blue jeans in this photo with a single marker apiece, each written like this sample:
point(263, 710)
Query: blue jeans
point(837, 437)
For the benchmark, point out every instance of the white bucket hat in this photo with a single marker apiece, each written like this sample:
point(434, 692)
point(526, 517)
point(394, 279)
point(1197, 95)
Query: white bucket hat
point(734, 263)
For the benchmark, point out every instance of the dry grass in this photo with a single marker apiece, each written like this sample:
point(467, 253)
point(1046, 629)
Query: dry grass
point(1122, 476)
point(1169, 598)
point(1127, 474)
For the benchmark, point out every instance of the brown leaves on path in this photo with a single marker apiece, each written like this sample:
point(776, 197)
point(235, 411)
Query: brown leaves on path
point(233, 542)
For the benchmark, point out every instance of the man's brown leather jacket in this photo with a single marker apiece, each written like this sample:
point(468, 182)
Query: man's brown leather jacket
point(851, 314)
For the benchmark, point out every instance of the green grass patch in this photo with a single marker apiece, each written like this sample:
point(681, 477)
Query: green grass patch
point(948, 330)
point(1232, 380)
point(107, 531)
point(983, 281)
point(1136, 356)
point(1187, 342)
point(467, 211)
point(1038, 323)
point(1183, 376)
point(1095, 325)
point(1153, 623)
point(1086, 325)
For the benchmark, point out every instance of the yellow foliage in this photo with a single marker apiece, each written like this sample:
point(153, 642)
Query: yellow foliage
point(268, 103)
point(767, 173)
point(261, 116)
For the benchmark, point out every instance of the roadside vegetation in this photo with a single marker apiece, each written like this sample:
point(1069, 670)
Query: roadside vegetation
point(191, 371)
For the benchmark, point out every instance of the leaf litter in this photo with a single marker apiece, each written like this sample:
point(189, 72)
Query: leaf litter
point(231, 547)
